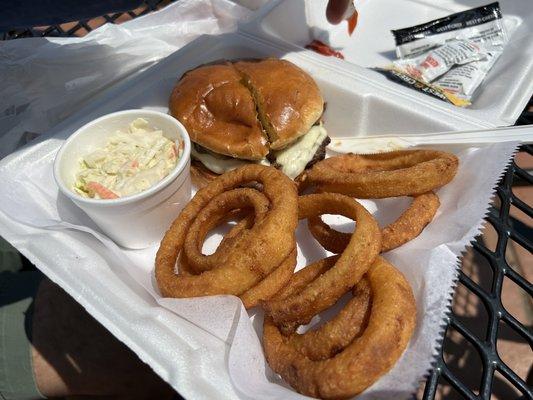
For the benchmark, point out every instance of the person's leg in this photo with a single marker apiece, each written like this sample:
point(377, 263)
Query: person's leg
point(74, 355)
point(16, 371)
point(10, 259)
point(50, 346)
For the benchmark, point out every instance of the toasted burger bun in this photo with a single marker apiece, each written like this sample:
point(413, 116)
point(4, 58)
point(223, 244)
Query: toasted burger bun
point(287, 98)
point(219, 112)
point(244, 109)
point(248, 110)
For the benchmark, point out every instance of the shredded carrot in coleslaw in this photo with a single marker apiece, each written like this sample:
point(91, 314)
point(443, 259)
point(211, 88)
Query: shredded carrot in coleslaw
point(131, 162)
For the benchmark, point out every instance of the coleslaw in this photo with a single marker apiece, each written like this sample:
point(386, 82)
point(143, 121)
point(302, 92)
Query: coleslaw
point(131, 162)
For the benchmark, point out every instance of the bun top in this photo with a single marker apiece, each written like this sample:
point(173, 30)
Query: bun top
point(244, 109)
point(288, 99)
point(219, 112)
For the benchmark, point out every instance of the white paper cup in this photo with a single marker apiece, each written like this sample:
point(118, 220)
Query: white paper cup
point(139, 220)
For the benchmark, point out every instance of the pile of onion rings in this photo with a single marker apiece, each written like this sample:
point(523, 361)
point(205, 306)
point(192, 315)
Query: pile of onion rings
point(257, 257)
point(363, 247)
point(350, 352)
point(414, 173)
point(338, 360)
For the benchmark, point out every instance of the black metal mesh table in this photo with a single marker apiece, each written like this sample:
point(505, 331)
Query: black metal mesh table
point(483, 339)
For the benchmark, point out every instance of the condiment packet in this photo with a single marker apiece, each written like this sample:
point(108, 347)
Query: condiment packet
point(440, 60)
point(481, 25)
point(403, 78)
point(463, 80)
point(450, 56)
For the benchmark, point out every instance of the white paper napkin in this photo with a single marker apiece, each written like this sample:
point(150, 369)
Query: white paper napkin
point(429, 262)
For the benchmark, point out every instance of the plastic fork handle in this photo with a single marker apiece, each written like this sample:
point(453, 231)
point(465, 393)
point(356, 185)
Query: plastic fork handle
point(496, 135)
point(509, 137)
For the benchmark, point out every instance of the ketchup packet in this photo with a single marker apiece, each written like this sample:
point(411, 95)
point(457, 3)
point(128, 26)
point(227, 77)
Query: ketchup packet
point(440, 60)
point(450, 55)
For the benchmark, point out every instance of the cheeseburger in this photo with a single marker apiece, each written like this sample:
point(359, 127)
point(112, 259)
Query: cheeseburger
point(261, 111)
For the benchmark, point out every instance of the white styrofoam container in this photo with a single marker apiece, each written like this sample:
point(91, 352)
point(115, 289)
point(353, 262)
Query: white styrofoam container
point(113, 297)
point(356, 106)
point(498, 102)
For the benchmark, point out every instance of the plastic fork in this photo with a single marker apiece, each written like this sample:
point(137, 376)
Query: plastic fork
point(448, 140)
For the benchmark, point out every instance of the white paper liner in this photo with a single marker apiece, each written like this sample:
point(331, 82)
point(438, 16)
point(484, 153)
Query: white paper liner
point(36, 221)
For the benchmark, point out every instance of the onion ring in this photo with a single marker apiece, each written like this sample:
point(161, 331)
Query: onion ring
point(267, 287)
point(298, 282)
point(304, 276)
point(210, 216)
point(398, 173)
point(245, 222)
point(408, 226)
point(337, 333)
point(271, 284)
point(259, 250)
point(220, 208)
point(390, 326)
point(326, 289)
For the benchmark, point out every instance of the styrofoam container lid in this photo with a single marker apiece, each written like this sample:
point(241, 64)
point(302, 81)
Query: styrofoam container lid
point(356, 105)
point(498, 102)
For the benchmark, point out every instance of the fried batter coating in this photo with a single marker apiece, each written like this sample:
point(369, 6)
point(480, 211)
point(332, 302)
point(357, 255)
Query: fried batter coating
point(355, 260)
point(377, 176)
point(366, 358)
point(408, 226)
point(257, 253)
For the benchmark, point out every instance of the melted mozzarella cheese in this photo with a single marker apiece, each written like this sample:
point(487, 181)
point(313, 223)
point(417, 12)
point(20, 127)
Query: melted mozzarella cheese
point(296, 156)
point(292, 159)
